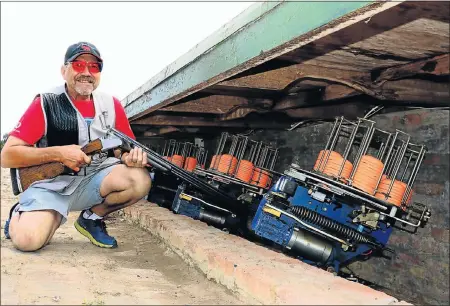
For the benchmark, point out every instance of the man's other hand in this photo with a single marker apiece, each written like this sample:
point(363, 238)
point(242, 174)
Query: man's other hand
point(135, 158)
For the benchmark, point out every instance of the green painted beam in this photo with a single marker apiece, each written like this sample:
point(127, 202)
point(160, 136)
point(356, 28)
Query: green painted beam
point(252, 13)
point(257, 33)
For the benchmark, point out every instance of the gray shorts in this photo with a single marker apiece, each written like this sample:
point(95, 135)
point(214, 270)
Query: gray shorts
point(85, 196)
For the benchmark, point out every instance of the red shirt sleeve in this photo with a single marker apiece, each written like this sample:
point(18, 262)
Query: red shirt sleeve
point(122, 123)
point(31, 127)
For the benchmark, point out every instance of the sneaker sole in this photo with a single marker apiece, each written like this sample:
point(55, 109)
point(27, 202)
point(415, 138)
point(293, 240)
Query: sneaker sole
point(6, 229)
point(85, 233)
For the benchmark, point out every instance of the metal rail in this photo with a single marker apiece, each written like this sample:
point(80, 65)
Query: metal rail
point(358, 194)
point(215, 174)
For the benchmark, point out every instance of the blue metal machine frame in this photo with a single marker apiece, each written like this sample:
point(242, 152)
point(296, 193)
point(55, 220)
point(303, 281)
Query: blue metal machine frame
point(279, 227)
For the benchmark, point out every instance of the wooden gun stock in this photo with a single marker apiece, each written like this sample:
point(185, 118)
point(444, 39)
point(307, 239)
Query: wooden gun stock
point(22, 178)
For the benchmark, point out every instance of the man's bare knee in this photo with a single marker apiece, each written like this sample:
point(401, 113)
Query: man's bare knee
point(28, 241)
point(140, 182)
point(136, 180)
point(32, 230)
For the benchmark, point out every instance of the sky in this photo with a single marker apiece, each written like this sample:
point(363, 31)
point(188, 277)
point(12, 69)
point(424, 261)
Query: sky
point(136, 40)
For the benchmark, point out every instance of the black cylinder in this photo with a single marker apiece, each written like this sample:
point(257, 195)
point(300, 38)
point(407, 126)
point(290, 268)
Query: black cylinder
point(211, 217)
point(310, 246)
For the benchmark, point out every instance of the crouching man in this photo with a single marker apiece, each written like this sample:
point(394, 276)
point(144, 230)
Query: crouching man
point(53, 129)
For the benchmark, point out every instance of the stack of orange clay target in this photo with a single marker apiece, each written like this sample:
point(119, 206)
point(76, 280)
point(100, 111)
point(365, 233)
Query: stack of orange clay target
point(397, 193)
point(261, 178)
point(367, 174)
point(227, 164)
point(190, 163)
point(214, 162)
point(245, 160)
point(169, 158)
point(178, 160)
point(245, 171)
point(224, 163)
point(379, 163)
point(365, 178)
point(185, 155)
point(330, 163)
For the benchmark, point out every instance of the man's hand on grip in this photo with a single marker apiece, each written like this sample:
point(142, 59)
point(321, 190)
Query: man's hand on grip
point(73, 157)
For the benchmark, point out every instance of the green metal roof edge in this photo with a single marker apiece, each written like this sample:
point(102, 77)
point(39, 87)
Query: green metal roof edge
point(260, 28)
point(250, 14)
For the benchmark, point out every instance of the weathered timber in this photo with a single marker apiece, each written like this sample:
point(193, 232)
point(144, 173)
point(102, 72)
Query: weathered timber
point(279, 79)
point(416, 90)
point(160, 131)
point(438, 65)
point(163, 120)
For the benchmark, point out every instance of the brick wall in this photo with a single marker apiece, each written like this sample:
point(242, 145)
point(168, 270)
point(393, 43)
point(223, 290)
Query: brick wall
point(419, 272)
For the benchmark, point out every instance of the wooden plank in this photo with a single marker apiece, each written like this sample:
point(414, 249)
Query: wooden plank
point(215, 104)
point(326, 112)
point(160, 131)
point(358, 82)
point(195, 121)
point(279, 79)
point(337, 91)
point(298, 100)
point(245, 92)
point(438, 65)
point(409, 31)
point(390, 48)
point(416, 90)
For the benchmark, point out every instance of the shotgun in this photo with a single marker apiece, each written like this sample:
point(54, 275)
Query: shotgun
point(160, 164)
point(22, 178)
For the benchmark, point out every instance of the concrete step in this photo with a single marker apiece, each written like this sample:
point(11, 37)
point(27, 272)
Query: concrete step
point(255, 273)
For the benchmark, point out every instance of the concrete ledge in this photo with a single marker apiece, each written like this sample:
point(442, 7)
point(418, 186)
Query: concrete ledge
point(255, 273)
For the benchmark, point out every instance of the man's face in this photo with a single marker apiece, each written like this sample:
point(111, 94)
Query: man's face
point(84, 82)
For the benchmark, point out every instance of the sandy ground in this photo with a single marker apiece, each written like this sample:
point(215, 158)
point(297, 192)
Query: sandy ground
point(73, 271)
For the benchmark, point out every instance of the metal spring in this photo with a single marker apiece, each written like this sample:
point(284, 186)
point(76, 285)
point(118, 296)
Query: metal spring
point(325, 222)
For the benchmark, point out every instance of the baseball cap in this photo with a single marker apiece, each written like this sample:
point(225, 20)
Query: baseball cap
point(77, 49)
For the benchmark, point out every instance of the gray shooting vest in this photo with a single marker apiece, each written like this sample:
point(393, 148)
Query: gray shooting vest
point(64, 125)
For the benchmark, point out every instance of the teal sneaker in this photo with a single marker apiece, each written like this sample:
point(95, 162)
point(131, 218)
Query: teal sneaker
point(95, 231)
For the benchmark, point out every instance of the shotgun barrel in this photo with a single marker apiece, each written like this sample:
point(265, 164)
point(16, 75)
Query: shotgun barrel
point(157, 161)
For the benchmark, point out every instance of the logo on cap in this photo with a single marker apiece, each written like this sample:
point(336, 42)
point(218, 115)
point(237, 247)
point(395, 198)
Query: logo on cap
point(85, 48)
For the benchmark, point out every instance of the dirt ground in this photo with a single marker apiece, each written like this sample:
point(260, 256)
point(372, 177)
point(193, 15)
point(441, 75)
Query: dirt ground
point(70, 270)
